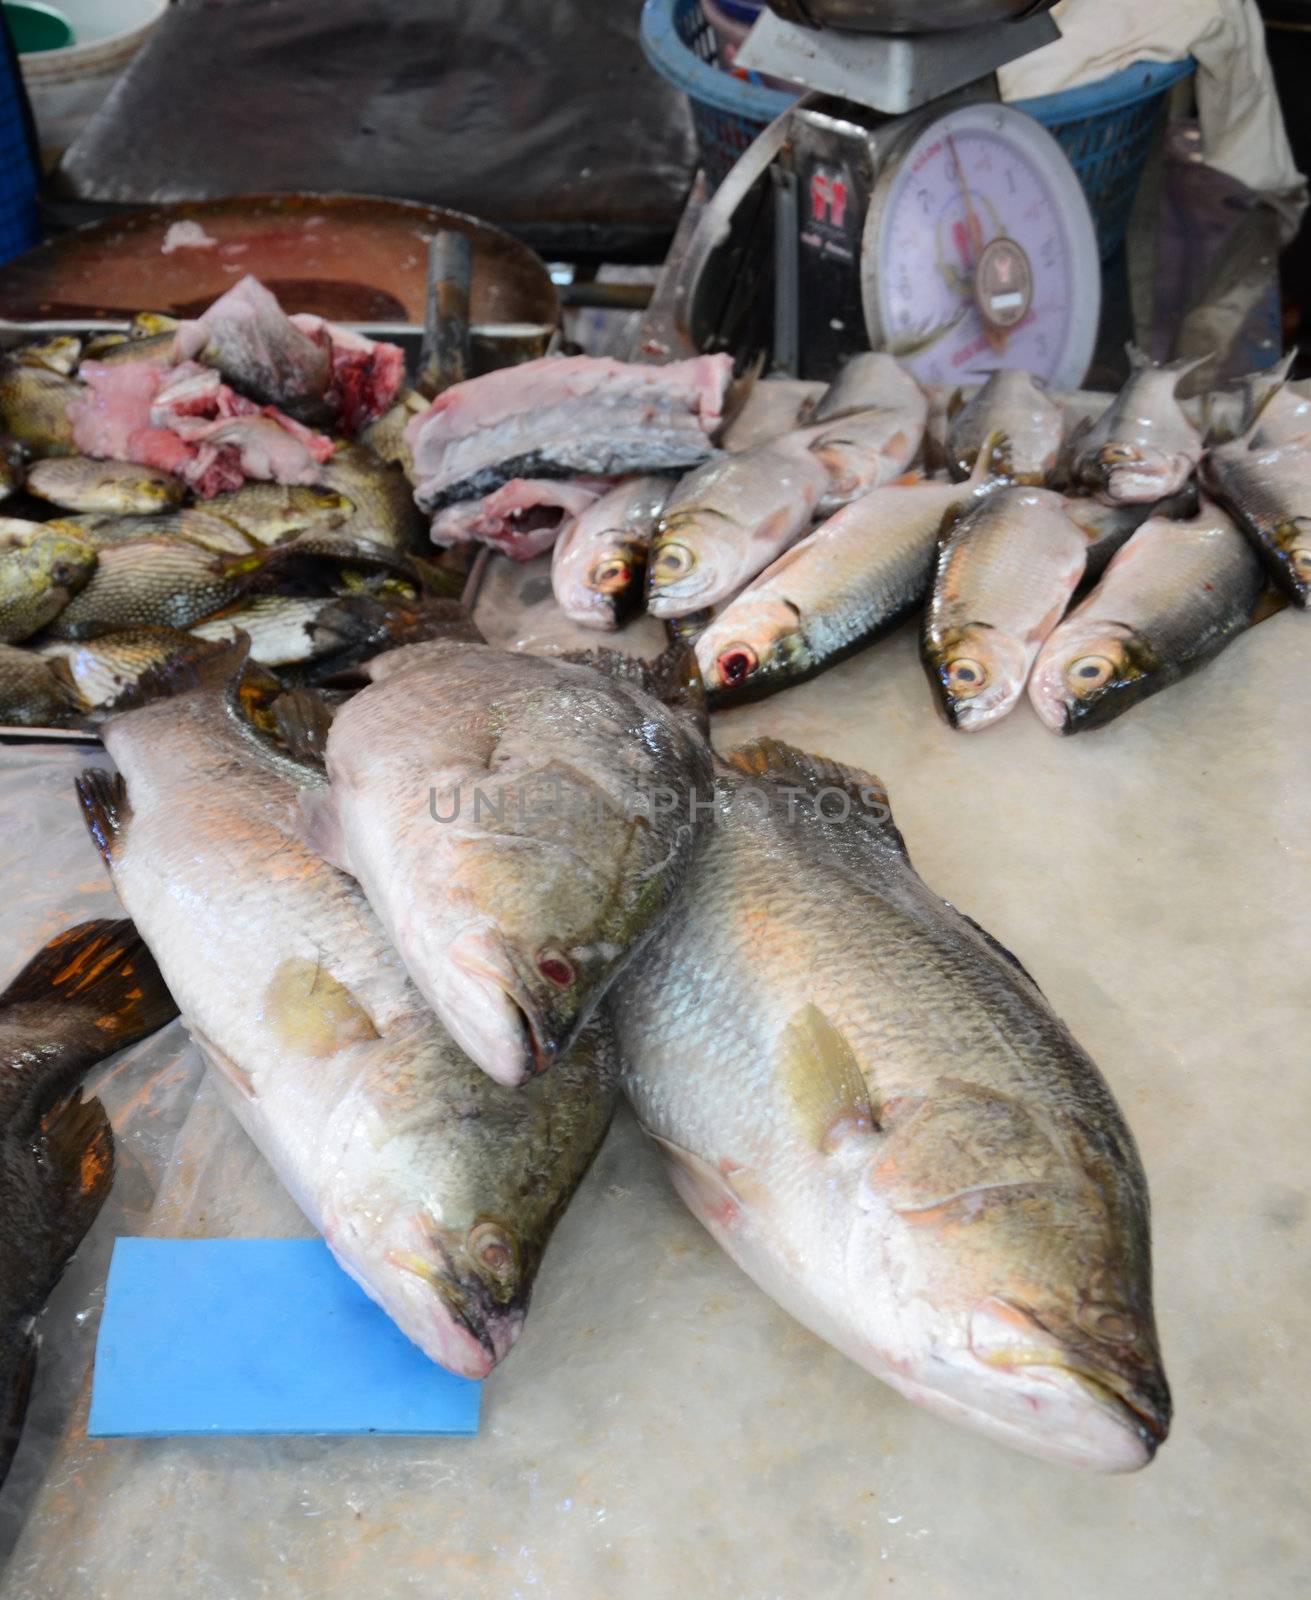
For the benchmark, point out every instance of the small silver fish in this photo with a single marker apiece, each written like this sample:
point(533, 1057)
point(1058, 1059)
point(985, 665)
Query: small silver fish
point(1012, 403)
point(1144, 446)
point(598, 563)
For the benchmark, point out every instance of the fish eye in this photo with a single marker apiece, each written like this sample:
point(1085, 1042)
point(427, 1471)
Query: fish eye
point(672, 561)
point(490, 1247)
point(555, 967)
point(1118, 452)
point(61, 572)
point(1107, 1323)
point(1089, 673)
point(611, 575)
point(737, 663)
point(1301, 560)
point(965, 677)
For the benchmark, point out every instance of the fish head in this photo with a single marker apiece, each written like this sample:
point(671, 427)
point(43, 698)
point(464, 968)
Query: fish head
point(1293, 539)
point(1125, 473)
point(453, 1281)
point(759, 639)
point(1022, 1257)
point(1087, 675)
point(603, 582)
point(979, 672)
point(688, 563)
point(55, 561)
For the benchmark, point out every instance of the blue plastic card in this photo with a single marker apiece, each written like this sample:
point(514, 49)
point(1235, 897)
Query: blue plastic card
point(258, 1336)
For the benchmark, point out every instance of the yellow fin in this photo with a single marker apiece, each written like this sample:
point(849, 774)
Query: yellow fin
point(310, 1011)
point(823, 1082)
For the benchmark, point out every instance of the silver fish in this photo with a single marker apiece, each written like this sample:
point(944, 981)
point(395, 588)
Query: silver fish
point(521, 825)
point(598, 563)
point(1004, 576)
point(1269, 492)
point(1173, 598)
point(1144, 446)
point(1014, 404)
point(872, 1108)
point(435, 1188)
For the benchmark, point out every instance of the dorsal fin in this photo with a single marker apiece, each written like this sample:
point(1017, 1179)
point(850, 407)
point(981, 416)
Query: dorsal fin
point(786, 765)
point(211, 668)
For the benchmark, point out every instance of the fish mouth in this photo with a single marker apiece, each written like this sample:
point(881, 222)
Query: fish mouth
point(461, 1327)
point(514, 1039)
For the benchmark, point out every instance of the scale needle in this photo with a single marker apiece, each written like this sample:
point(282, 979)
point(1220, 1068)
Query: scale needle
point(996, 337)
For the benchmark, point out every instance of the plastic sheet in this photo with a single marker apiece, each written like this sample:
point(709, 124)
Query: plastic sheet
point(542, 117)
point(663, 1430)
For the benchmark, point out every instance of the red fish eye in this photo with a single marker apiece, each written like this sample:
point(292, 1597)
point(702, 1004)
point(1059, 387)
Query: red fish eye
point(555, 969)
point(737, 663)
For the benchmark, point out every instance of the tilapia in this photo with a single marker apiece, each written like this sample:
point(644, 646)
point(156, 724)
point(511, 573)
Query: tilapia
point(1173, 598)
point(1014, 404)
point(79, 483)
point(95, 673)
point(520, 825)
point(269, 512)
point(34, 402)
point(197, 525)
point(1003, 578)
point(1269, 493)
point(38, 579)
point(875, 1112)
point(379, 498)
point(598, 564)
point(1144, 446)
point(93, 990)
point(566, 417)
point(728, 520)
point(436, 1189)
point(852, 580)
point(159, 582)
point(31, 695)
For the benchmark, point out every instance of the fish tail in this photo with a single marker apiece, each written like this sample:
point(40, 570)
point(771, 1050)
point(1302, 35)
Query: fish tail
point(79, 1144)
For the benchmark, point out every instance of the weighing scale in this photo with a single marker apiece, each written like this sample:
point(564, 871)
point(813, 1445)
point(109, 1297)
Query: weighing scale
point(899, 205)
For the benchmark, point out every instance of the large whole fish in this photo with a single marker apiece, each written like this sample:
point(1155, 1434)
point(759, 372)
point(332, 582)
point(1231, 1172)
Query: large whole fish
point(728, 520)
point(598, 563)
point(1144, 446)
point(564, 417)
point(520, 825)
point(149, 582)
point(1173, 597)
point(1012, 403)
point(853, 579)
point(1269, 493)
point(871, 1107)
point(1004, 576)
point(38, 578)
point(81, 483)
point(435, 1188)
point(91, 991)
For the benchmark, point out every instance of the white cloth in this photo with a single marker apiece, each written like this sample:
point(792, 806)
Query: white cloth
point(1242, 126)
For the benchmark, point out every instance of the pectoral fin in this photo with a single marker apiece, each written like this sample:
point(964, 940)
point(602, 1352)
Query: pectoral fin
point(311, 1012)
point(821, 1078)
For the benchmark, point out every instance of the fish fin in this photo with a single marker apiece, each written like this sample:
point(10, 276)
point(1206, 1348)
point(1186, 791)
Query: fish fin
point(955, 405)
point(15, 1394)
point(821, 1077)
point(223, 1064)
point(994, 944)
point(302, 720)
point(211, 667)
point(320, 828)
point(79, 1143)
point(705, 1190)
point(102, 966)
point(997, 456)
point(784, 763)
point(105, 808)
point(311, 1012)
point(1140, 361)
point(673, 677)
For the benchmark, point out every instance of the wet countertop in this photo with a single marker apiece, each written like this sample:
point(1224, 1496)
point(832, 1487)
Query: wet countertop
point(663, 1429)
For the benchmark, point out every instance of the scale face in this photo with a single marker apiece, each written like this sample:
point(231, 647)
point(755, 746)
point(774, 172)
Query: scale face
point(979, 251)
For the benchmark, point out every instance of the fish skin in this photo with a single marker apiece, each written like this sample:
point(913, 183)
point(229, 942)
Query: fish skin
point(96, 672)
point(436, 1189)
point(1108, 528)
point(34, 403)
point(149, 582)
point(728, 520)
point(39, 579)
point(116, 488)
point(874, 1111)
point(864, 451)
point(1143, 447)
point(195, 525)
point(1269, 493)
point(1014, 404)
point(379, 497)
point(91, 991)
point(873, 380)
point(512, 925)
point(598, 562)
point(385, 435)
point(270, 512)
point(31, 695)
point(1004, 576)
point(849, 582)
point(281, 628)
point(1172, 598)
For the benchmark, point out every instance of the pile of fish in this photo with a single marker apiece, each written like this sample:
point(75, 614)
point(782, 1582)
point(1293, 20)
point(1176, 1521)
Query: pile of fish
point(991, 511)
point(424, 936)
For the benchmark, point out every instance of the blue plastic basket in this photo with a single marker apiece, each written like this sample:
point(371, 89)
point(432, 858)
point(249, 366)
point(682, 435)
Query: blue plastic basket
point(1105, 128)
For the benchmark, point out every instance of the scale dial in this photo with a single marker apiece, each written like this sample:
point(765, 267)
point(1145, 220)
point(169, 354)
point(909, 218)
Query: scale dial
point(979, 251)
